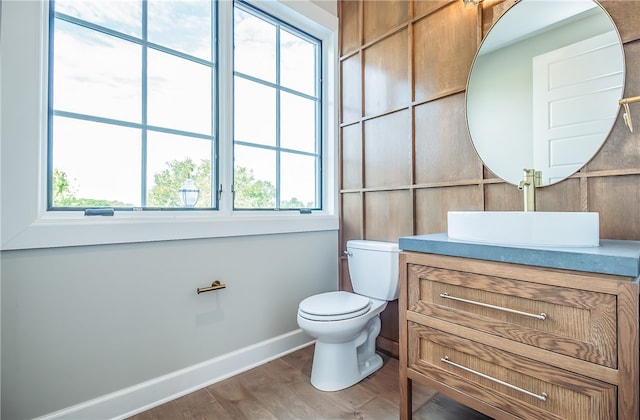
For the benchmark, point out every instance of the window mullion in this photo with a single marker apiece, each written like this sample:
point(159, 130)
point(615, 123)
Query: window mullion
point(278, 119)
point(144, 131)
point(319, 82)
point(215, 198)
point(225, 104)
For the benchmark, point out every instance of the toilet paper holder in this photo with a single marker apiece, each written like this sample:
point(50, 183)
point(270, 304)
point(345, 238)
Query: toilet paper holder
point(214, 286)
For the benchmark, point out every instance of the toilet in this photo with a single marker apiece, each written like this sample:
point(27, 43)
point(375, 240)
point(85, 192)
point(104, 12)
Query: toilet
point(344, 324)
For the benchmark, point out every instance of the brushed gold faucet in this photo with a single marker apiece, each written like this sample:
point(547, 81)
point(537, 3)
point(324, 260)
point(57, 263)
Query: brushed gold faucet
point(528, 185)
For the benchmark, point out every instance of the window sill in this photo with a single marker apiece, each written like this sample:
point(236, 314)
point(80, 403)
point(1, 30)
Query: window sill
point(55, 231)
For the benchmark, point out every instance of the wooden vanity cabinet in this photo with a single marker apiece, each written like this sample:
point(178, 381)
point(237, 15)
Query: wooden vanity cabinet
point(517, 341)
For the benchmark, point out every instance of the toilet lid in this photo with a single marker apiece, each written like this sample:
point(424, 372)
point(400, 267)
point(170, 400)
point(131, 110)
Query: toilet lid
point(333, 305)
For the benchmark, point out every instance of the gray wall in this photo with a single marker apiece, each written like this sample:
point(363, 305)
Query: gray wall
point(78, 323)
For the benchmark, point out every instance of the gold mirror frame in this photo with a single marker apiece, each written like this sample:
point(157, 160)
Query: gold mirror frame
point(502, 90)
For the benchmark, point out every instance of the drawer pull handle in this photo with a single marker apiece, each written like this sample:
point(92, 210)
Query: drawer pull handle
point(542, 397)
point(542, 316)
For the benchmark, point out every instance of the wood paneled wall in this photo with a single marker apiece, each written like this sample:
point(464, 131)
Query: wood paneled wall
point(406, 157)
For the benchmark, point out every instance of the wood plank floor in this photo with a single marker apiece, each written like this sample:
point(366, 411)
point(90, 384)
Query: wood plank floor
point(281, 389)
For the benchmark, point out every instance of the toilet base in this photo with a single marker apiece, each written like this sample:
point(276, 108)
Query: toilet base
point(338, 366)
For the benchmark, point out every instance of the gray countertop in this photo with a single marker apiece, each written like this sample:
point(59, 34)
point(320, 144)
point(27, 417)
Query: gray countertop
point(616, 257)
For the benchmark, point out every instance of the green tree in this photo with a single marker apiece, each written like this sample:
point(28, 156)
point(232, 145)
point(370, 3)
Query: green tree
point(64, 194)
point(250, 193)
point(167, 183)
point(294, 203)
point(61, 189)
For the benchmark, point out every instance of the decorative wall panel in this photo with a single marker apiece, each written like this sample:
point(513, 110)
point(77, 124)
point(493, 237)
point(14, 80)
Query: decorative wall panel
point(382, 16)
point(617, 199)
point(432, 205)
point(502, 197)
point(351, 218)
point(388, 215)
point(350, 82)
point(387, 150)
point(443, 149)
point(444, 46)
point(351, 156)
point(548, 197)
point(418, 162)
point(424, 7)
point(386, 75)
point(350, 34)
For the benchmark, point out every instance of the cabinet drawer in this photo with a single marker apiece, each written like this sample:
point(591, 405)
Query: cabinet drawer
point(512, 383)
point(576, 323)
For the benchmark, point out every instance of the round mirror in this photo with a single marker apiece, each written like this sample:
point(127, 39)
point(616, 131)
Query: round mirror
point(544, 88)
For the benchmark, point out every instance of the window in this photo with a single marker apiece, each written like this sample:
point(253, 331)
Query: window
point(123, 144)
point(277, 115)
point(132, 97)
point(133, 118)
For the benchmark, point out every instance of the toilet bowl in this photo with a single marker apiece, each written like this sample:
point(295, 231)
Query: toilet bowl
point(345, 348)
point(345, 324)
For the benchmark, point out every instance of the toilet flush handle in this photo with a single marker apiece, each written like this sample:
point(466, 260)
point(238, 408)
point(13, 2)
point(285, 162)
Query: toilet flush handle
point(347, 253)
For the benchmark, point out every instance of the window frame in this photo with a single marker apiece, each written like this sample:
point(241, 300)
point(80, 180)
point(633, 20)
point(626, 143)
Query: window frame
point(281, 89)
point(143, 125)
point(25, 221)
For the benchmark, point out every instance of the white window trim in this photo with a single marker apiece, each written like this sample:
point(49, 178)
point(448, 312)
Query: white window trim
point(26, 224)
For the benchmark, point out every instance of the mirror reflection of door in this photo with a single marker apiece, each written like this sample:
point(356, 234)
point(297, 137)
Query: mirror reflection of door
point(573, 87)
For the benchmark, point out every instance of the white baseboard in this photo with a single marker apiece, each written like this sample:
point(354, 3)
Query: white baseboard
point(135, 399)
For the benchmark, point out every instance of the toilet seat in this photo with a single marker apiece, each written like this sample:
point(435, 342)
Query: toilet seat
point(333, 306)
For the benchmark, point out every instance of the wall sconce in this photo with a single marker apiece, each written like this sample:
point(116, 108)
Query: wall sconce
point(189, 194)
point(627, 113)
point(468, 4)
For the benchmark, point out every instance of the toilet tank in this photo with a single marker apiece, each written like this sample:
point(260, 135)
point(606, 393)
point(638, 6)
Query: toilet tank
point(373, 268)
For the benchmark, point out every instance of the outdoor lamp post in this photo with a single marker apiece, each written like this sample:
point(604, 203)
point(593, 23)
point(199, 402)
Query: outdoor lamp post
point(189, 194)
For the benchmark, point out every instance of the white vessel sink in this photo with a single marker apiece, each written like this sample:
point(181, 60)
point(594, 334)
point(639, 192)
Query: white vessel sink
point(550, 229)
